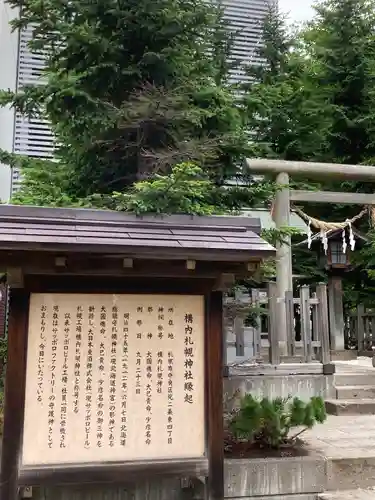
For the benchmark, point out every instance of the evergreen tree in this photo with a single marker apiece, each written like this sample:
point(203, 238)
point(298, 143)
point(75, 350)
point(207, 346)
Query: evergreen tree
point(340, 44)
point(132, 88)
point(288, 116)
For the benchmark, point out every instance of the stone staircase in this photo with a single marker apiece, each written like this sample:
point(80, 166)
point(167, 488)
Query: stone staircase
point(354, 391)
point(351, 473)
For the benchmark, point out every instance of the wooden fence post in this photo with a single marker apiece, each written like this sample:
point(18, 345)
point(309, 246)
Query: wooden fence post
point(273, 324)
point(305, 323)
point(323, 323)
point(289, 311)
point(238, 328)
point(315, 334)
point(257, 344)
point(360, 327)
point(238, 325)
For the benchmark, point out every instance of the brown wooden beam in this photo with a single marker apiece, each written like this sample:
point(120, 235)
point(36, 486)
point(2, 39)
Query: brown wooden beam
point(214, 395)
point(34, 263)
point(116, 284)
point(15, 277)
point(333, 197)
point(313, 170)
point(14, 393)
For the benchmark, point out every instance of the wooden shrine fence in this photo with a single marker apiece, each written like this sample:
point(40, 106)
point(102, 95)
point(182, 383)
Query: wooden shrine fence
point(252, 326)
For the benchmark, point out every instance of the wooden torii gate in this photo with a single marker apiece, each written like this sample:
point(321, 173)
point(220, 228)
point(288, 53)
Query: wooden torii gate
point(283, 170)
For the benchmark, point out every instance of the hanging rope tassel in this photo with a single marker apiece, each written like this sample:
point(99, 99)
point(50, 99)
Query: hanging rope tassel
point(344, 244)
point(324, 227)
point(327, 226)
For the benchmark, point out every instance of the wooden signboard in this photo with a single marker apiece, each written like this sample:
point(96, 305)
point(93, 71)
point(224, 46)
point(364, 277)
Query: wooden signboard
point(114, 377)
point(113, 387)
point(115, 340)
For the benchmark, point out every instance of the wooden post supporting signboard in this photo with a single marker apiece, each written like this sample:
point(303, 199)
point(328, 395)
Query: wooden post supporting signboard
point(14, 393)
point(215, 396)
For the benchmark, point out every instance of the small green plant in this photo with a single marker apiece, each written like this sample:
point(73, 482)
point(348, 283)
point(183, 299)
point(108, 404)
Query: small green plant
point(267, 423)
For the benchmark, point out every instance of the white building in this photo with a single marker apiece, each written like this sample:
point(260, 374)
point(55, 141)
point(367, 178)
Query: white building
point(32, 137)
point(246, 17)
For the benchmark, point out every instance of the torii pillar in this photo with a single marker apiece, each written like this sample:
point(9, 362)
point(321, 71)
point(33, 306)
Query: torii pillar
point(284, 272)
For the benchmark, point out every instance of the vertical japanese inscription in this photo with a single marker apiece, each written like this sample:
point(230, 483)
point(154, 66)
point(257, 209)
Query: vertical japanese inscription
point(89, 376)
point(161, 322)
point(159, 372)
point(101, 375)
point(189, 361)
point(138, 373)
point(170, 399)
point(52, 396)
point(148, 428)
point(170, 324)
point(114, 377)
point(64, 379)
point(77, 358)
point(41, 354)
point(124, 379)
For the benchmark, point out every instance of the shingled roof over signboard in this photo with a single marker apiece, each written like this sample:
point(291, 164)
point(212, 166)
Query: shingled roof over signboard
point(98, 231)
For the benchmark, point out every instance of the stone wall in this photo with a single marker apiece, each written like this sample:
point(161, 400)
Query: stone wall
point(275, 476)
point(290, 478)
point(301, 380)
point(169, 489)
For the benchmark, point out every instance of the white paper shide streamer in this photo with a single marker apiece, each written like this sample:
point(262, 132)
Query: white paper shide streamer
point(323, 237)
point(309, 235)
point(344, 244)
point(326, 228)
point(351, 237)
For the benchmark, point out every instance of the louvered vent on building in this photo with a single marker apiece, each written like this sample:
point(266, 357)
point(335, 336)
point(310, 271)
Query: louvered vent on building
point(32, 137)
point(246, 19)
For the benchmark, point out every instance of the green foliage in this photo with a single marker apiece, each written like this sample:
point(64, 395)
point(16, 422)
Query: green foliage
point(267, 423)
point(340, 40)
point(274, 237)
point(188, 190)
point(287, 113)
point(314, 100)
point(341, 45)
point(185, 190)
point(281, 235)
point(132, 88)
point(3, 350)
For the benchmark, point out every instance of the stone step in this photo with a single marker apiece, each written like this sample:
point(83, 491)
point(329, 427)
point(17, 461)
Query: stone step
point(351, 379)
point(298, 496)
point(355, 392)
point(359, 494)
point(351, 407)
point(350, 472)
point(344, 355)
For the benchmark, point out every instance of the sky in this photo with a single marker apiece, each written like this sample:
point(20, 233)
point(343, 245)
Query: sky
point(298, 10)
